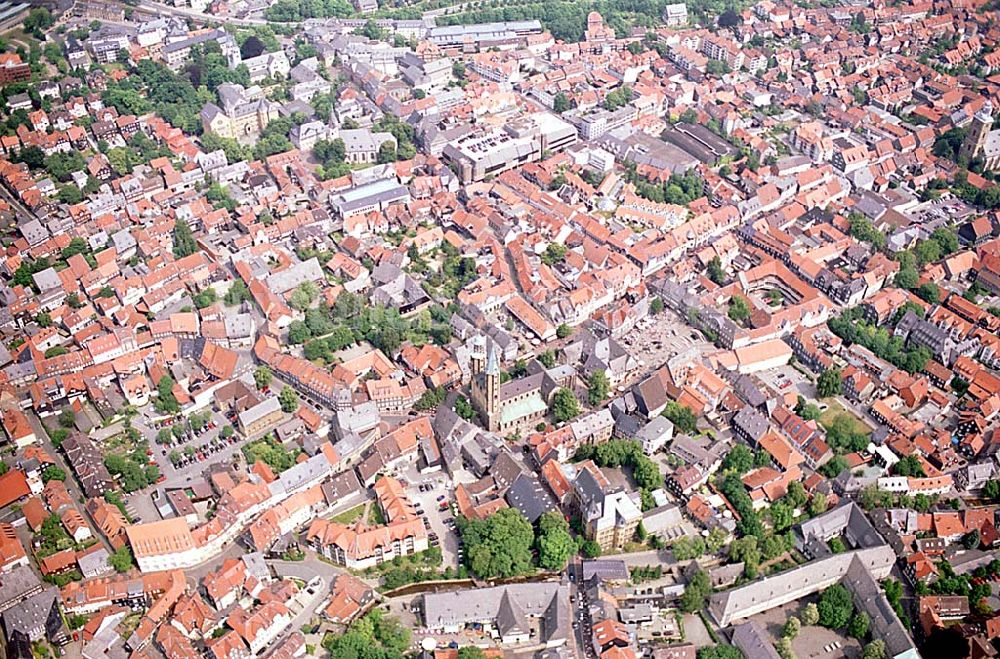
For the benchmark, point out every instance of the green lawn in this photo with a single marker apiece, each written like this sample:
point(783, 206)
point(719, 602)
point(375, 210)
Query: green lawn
point(835, 409)
point(349, 516)
point(375, 517)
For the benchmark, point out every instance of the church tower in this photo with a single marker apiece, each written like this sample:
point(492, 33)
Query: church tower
point(979, 129)
point(485, 387)
point(477, 355)
point(491, 390)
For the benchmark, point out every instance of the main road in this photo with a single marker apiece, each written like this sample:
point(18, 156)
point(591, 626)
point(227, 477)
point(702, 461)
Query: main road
point(161, 9)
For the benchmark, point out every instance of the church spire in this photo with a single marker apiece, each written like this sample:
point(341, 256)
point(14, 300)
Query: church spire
point(492, 366)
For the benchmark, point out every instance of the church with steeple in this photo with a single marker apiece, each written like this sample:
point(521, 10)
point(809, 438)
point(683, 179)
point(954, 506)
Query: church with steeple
point(518, 405)
point(982, 141)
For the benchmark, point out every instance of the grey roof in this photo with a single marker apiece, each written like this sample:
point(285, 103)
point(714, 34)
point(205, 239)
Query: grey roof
point(777, 589)
point(255, 565)
point(260, 410)
point(847, 520)
point(94, 562)
point(32, 612)
point(529, 496)
point(505, 469)
point(342, 486)
point(751, 422)
point(363, 140)
point(47, 280)
point(650, 394)
point(588, 489)
point(753, 642)
point(656, 428)
point(885, 624)
point(193, 41)
point(510, 617)
point(17, 585)
point(500, 605)
point(605, 569)
point(304, 473)
point(287, 279)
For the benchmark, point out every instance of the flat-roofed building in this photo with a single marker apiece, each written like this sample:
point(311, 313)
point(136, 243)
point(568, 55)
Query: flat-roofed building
point(482, 154)
point(375, 196)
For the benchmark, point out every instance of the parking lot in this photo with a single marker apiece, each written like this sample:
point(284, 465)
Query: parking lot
point(428, 492)
point(812, 642)
point(787, 378)
point(191, 450)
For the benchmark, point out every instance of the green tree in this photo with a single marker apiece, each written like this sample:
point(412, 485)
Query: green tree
point(298, 332)
point(463, 408)
point(656, 306)
point(791, 627)
point(719, 652)
point(303, 296)
point(682, 417)
point(184, 242)
point(909, 465)
point(61, 165)
point(386, 153)
point(121, 559)
point(237, 293)
point(38, 19)
point(565, 406)
point(818, 504)
point(927, 251)
point(289, 399)
point(70, 194)
point(907, 278)
point(554, 253)
point(498, 546)
point(810, 614)
point(262, 377)
point(874, 650)
point(858, 627)
point(739, 459)
point(687, 548)
point(590, 549)
point(830, 383)
point(739, 309)
point(598, 387)
point(781, 516)
point(563, 331)
point(745, 550)
point(947, 240)
point(554, 543)
point(715, 271)
point(929, 293)
point(696, 592)
point(796, 494)
point(53, 473)
point(560, 103)
point(165, 401)
point(835, 607)
point(547, 359)
point(716, 540)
